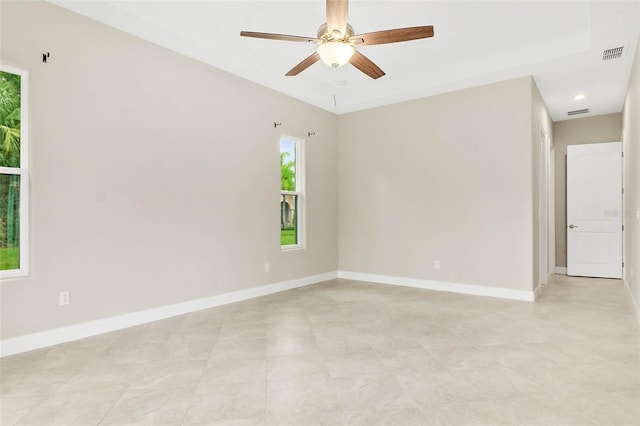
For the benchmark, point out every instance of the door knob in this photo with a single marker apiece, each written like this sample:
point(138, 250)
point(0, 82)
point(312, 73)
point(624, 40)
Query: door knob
point(573, 226)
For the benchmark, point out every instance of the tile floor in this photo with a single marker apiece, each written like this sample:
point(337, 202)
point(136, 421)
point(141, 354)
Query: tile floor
point(345, 352)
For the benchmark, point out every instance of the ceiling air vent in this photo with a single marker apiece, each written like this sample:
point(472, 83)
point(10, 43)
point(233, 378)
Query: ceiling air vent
point(614, 53)
point(578, 111)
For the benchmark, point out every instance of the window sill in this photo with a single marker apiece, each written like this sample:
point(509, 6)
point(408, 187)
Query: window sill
point(292, 248)
point(13, 274)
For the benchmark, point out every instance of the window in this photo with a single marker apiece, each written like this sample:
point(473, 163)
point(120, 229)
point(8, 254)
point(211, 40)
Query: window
point(291, 193)
point(13, 173)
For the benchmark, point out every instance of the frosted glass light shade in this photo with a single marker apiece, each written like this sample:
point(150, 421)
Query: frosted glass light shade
point(335, 53)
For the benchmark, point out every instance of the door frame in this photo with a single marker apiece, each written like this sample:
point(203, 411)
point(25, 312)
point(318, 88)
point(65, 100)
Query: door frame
point(551, 211)
point(546, 232)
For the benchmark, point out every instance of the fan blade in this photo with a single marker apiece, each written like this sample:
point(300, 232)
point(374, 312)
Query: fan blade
point(365, 65)
point(337, 12)
point(282, 37)
point(393, 36)
point(304, 64)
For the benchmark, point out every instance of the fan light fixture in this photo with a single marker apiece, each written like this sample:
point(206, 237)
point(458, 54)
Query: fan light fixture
point(336, 40)
point(335, 53)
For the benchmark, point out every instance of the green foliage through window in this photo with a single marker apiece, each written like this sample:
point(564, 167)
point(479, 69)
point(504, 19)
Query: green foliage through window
point(287, 171)
point(288, 201)
point(10, 134)
point(9, 119)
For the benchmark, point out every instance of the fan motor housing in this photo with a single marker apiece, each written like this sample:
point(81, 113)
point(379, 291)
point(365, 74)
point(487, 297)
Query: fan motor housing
point(323, 33)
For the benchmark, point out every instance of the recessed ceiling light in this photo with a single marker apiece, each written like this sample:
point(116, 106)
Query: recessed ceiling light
point(579, 97)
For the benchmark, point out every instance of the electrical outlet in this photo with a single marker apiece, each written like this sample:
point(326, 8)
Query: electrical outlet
point(267, 266)
point(436, 264)
point(64, 298)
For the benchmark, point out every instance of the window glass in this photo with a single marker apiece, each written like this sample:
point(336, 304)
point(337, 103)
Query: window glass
point(9, 119)
point(9, 222)
point(290, 192)
point(12, 174)
point(287, 165)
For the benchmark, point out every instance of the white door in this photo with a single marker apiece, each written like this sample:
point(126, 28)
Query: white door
point(594, 210)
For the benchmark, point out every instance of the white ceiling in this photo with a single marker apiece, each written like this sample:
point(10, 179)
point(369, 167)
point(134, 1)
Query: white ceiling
point(560, 43)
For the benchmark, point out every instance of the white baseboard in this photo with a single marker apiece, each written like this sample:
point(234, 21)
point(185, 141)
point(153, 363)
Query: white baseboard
point(477, 290)
point(562, 270)
point(55, 336)
point(634, 303)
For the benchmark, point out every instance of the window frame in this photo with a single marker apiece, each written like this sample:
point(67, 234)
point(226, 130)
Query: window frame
point(299, 192)
point(23, 172)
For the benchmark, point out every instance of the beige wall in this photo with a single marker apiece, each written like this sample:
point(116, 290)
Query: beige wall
point(631, 148)
point(155, 178)
point(601, 128)
point(445, 178)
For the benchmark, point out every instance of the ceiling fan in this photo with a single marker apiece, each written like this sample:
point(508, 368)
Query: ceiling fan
point(336, 41)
